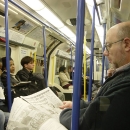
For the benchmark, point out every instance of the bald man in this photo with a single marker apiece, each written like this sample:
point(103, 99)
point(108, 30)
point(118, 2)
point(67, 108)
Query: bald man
point(110, 110)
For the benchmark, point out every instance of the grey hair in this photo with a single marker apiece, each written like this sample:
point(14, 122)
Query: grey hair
point(123, 32)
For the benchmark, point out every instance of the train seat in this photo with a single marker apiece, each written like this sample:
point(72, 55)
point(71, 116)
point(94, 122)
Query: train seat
point(57, 84)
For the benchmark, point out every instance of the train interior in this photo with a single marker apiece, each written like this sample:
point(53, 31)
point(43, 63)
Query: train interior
point(26, 33)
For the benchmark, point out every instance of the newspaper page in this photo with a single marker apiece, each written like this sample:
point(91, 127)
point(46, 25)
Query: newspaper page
point(45, 101)
point(1, 93)
point(24, 116)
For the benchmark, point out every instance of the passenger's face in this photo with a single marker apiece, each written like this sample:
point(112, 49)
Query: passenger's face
point(115, 54)
point(65, 70)
point(12, 67)
point(71, 69)
point(29, 66)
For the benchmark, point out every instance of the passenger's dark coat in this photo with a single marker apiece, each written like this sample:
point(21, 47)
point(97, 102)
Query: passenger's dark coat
point(24, 75)
point(23, 90)
point(16, 92)
point(110, 110)
point(36, 79)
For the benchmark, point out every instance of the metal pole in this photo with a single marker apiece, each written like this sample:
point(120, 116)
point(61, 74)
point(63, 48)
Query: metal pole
point(44, 43)
point(96, 8)
point(40, 21)
point(91, 57)
point(7, 56)
point(78, 64)
point(103, 57)
point(71, 59)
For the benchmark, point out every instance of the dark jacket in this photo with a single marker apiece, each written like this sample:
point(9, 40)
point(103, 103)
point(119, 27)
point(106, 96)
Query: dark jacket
point(16, 92)
point(110, 110)
point(36, 79)
point(24, 75)
point(20, 90)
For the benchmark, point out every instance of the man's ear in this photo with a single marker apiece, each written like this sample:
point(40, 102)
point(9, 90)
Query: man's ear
point(127, 44)
point(25, 65)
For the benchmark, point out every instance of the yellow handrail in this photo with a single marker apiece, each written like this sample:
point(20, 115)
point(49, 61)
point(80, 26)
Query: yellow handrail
point(34, 57)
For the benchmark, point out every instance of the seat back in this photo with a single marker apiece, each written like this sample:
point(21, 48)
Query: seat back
point(57, 84)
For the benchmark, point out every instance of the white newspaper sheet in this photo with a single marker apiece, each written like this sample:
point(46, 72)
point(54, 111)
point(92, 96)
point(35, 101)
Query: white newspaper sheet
point(24, 116)
point(1, 93)
point(45, 101)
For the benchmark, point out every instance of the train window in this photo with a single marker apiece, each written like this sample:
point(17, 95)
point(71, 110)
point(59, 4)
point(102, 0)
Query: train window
point(60, 61)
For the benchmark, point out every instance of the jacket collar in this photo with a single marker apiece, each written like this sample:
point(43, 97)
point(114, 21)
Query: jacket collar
point(122, 68)
point(29, 72)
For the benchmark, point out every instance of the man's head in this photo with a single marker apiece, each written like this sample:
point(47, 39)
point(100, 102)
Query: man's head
point(28, 63)
point(118, 44)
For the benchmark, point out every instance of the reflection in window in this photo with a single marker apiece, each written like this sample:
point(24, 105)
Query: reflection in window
point(61, 61)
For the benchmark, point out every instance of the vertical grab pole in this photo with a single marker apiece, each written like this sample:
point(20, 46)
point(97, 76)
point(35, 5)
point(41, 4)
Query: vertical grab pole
point(44, 43)
point(91, 58)
point(103, 57)
point(71, 59)
point(78, 64)
point(7, 56)
point(85, 66)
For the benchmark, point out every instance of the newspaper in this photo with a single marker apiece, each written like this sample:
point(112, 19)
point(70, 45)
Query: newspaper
point(39, 111)
point(1, 93)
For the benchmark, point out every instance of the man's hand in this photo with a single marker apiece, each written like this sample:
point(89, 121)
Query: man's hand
point(66, 104)
point(110, 72)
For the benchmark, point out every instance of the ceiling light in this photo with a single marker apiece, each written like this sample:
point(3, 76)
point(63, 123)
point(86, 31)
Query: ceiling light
point(67, 32)
point(50, 17)
point(24, 14)
point(34, 4)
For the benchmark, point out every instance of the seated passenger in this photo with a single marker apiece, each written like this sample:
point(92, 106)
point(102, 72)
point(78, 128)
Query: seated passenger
point(64, 77)
point(26, 73)
point(3, 107)
point(1, 84)
point(110, 109)
point(16, 91)
point(70, 71)
point(13, 80)
point(3, 120)
point(4, 74)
